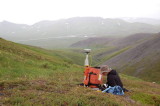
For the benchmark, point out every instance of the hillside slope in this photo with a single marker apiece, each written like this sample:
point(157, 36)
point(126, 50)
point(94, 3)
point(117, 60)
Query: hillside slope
point(16, 58)
point(35, 76)
point(94, 42)
point(141, 61)
point(133, 39)
point(112, 41)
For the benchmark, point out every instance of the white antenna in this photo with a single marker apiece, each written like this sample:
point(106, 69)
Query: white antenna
point(86, 62)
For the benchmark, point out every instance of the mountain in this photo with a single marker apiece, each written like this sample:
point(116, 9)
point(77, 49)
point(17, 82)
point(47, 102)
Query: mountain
point(142, 60)
point(132, 39)
point(48, 32)
point(94, 42)
point(35, 76)
point(142, 20)
point(13, 31)
point(112, 41)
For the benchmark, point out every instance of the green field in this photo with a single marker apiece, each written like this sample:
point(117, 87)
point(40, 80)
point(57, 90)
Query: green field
point(31, 76)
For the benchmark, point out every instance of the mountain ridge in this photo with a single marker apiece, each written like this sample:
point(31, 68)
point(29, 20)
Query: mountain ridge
point(75, 27)
point(112, 41)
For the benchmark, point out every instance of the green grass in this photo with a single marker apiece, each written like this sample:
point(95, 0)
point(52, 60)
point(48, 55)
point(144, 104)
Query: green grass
point(33, 76)
point(147, 98)
point(74, 56)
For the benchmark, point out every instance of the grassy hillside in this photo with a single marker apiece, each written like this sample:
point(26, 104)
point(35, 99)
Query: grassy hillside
point(74, 56)
point(17, 59)
point(33, 76)
point(142, 60)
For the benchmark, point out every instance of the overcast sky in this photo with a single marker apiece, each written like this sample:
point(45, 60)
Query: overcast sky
point(32, 11)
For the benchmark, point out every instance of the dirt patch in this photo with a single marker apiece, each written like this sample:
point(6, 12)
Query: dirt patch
point(129, 99)
point(38, 82)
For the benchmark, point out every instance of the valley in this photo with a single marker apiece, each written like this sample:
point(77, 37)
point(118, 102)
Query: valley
point(43, 63)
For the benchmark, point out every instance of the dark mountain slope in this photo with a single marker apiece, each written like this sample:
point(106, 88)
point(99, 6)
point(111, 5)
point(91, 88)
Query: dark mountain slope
point(93, 42)
point(132, 39)
point(113, 41)
point(140, 61)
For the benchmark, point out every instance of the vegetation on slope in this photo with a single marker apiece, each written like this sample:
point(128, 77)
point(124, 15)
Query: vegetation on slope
point(75, 56)
point(34, 76)
point(17, 59)
point(142, 60)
